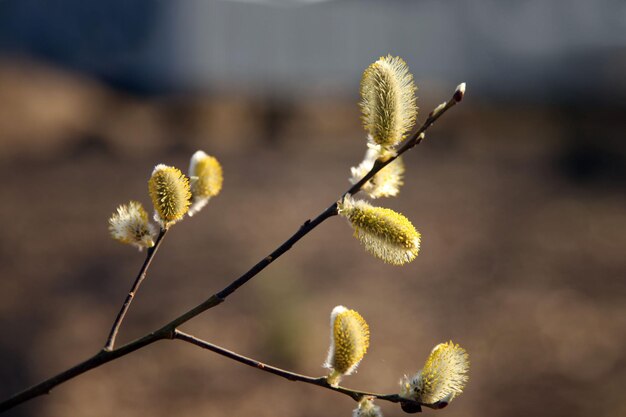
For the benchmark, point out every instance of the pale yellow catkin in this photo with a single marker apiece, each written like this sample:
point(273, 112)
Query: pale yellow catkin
point(130, 225)
point(386, 183)
point(388, 101)
point(367, 408)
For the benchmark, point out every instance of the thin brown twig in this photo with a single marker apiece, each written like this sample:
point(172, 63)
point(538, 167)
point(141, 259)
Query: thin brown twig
point(293, 376)
point(110, 342)
point(167, 331)
point(95, 361)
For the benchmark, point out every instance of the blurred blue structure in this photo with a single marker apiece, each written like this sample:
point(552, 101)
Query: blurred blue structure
point(532, 49)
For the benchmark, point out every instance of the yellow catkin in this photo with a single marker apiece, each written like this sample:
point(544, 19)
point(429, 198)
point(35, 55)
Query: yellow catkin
point(384, 233)
point(130, 225)
point(206, 177)
point(170, 194)
point(349, 343)
point(388, 101)
point(206, 174)
point(443, 377)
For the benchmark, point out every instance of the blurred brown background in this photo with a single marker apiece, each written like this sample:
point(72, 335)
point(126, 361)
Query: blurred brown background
point(518, 193)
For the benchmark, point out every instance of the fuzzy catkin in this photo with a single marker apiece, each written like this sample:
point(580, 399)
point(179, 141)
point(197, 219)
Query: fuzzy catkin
point(388, 101)
point(384, 233)
point(170, 194)
point(442, 378)
point(349, 341)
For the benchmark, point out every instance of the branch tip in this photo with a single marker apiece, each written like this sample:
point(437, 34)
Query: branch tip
point(459, 93)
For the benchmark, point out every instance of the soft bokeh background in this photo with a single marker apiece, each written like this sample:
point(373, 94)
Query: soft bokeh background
point(518, 192)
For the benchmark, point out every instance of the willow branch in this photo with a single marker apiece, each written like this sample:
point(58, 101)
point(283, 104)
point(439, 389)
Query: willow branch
point(166, 331)
point(293, 376)
point(95, 361)
point(214, 300)
point(110, 342)
point(415, 139)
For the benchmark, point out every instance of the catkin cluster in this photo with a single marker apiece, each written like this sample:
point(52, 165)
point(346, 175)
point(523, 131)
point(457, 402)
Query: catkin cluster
point(173, 195)
point(442, 378)
point(389, 113)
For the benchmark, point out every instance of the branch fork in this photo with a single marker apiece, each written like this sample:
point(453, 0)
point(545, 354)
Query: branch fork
point(170, 331)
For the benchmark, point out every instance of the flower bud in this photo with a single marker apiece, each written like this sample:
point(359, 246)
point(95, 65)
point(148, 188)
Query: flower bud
point(206, 177)
point(170, 194)
point(349, 340)
point(459, 93)
point(384, 233)
point(388, 101)
point(130, 225)
point(442, 379)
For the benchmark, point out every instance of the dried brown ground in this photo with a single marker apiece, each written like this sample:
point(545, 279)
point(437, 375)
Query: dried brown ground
point(521, 209)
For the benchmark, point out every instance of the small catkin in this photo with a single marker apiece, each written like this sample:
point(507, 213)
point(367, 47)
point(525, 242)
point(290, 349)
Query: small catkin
point(367, 408)
point(442, 378)
point(130, 225)
point(384, 233)
point(170, 194)
point(349, 341)
point(206, 177)
point(386, 182)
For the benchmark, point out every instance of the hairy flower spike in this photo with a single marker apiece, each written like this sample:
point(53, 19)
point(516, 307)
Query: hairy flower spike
point(206, 177)
point(349, 340)
point(367, 408)
point(386, 183)
point(130, 225)
point(385, 234)
point(388, 101)
point(170, 194)
point(443, 377)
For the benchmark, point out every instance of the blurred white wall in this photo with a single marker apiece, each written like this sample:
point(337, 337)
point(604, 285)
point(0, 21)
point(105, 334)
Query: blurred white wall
point(527, 48)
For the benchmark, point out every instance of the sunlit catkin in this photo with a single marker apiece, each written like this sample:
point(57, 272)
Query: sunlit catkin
point(130, 225)
point(384, 233)
point(388, 101)
point(170, 194)
point(205, 173)
point(349, 340)
point(443, 377)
